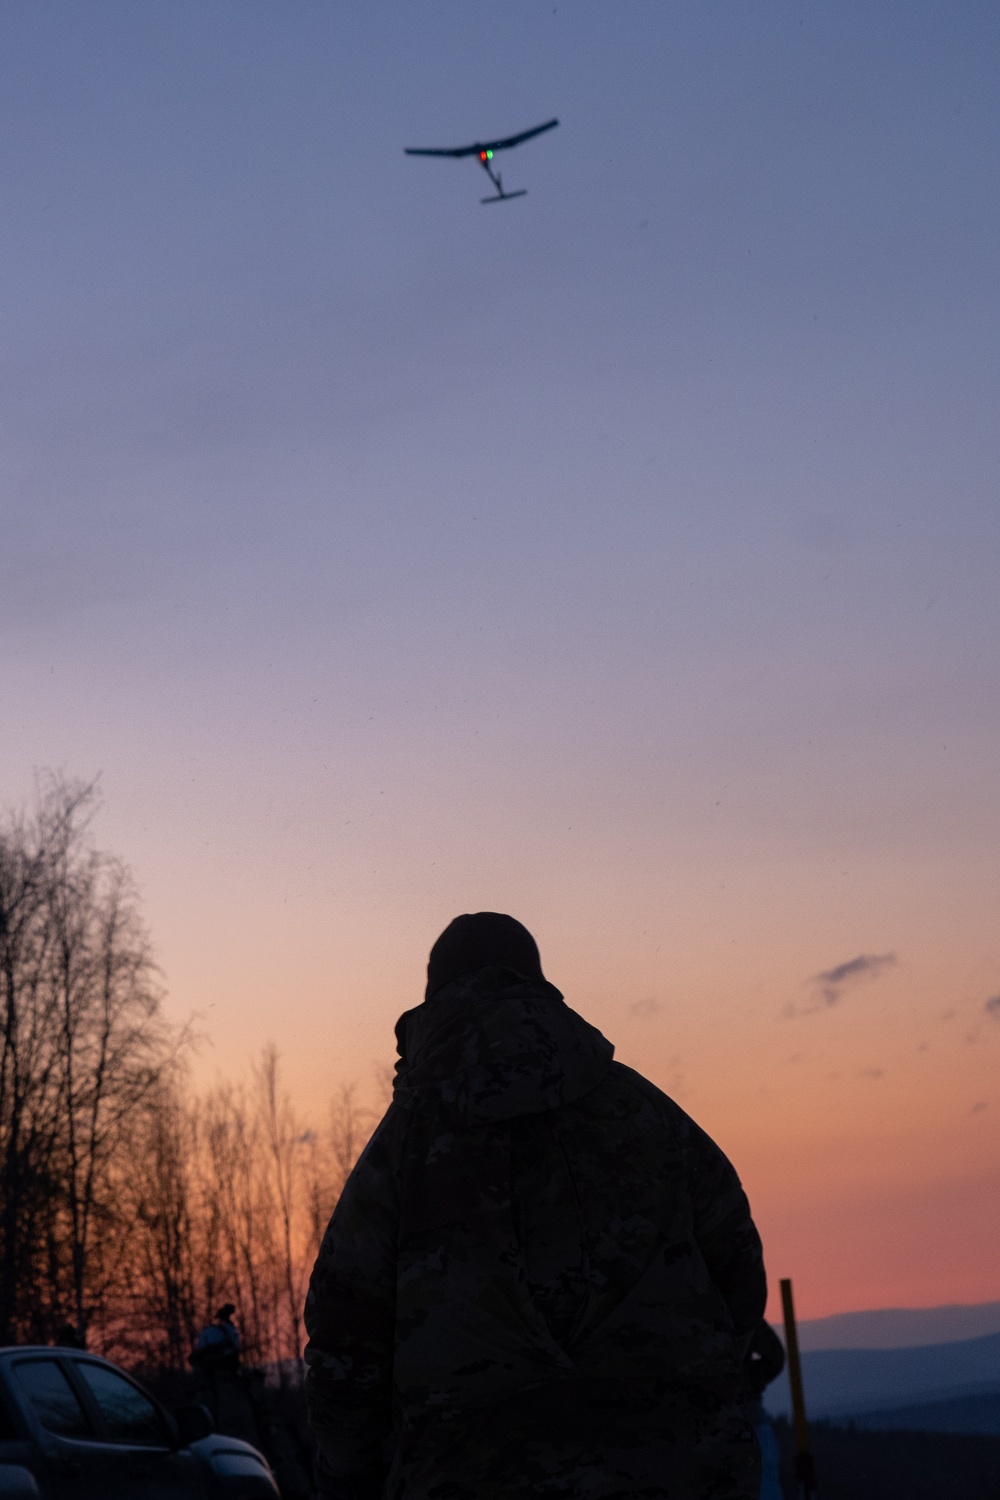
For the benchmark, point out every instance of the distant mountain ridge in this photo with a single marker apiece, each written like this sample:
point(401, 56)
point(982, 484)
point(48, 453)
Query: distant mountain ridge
point(845, 1381)
point(901, 1327)
point(976, 1413)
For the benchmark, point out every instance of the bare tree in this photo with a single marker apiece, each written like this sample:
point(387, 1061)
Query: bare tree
point(161, 1301)
point(113, 1046)
point(28, 1114)
point(83, 1046)
point(350, 1126)
point(286, 1141)
point(128, 1202)
point(240, 1217)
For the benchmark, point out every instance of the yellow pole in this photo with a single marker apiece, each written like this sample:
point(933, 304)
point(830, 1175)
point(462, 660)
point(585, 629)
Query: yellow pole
point(805, 1472)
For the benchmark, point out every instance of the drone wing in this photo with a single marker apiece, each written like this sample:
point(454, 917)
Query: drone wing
point(458, 151)
point(515, 140)
point(510, 140)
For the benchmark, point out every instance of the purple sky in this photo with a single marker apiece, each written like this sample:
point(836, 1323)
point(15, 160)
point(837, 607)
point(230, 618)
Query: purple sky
point(624, 556)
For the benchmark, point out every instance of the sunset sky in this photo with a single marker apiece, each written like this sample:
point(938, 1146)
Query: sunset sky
point(624, 557)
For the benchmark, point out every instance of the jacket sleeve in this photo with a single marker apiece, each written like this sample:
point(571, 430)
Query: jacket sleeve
point(727, 1236)
point(350, 1318)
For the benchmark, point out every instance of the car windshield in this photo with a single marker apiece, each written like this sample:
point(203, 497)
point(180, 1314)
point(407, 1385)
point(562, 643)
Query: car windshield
point(129, 1415)
point(52, 1397)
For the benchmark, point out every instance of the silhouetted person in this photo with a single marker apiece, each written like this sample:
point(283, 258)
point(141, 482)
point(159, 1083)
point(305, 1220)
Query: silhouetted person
point(764, 1362)
point(68, 1337)
point(541, 1277)
point(223, 1387)
point(218, 1346)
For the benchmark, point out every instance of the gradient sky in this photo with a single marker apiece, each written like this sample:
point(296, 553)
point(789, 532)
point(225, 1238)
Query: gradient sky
point(625, 557)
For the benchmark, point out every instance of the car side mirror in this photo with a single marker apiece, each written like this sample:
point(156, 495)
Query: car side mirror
point(193, 1422)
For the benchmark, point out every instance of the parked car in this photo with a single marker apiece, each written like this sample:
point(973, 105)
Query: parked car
point(75, 1427)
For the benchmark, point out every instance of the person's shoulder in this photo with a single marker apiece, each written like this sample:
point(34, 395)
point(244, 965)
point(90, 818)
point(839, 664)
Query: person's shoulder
point(645, 1095)
point(391, 1128)
point(634, 1092)
point(383, 1153)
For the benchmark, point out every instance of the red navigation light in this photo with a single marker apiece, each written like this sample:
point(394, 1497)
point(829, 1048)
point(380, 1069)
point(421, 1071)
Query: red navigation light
point(483, 155)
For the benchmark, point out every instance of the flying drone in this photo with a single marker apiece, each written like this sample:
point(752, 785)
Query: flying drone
point(484, 150)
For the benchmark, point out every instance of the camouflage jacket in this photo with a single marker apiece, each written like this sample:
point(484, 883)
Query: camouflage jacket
point(540, 1278)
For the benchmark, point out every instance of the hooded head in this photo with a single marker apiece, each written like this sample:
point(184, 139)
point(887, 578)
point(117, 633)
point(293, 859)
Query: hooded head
point(496, 1039)
point(480, 940)
point(493, 1040)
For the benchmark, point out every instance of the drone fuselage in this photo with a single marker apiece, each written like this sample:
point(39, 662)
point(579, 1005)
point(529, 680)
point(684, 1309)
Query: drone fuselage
point(485, 157)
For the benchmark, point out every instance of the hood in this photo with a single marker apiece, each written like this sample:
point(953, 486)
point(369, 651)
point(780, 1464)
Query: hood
point(494, 1045)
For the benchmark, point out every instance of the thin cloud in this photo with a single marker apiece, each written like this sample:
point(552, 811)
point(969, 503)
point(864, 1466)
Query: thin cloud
point(648, 1007)
point(831, 983)
point(992, 1007)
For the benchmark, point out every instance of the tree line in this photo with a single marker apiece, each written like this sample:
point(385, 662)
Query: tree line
point(131, 1205)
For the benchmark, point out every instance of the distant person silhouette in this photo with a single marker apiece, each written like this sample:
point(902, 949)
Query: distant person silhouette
point(224, 1386)
point(542, 1277)
point(765, 1360)
point(218, 1346)
point(68, 1337)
